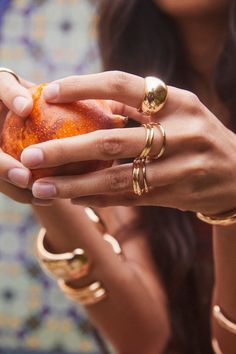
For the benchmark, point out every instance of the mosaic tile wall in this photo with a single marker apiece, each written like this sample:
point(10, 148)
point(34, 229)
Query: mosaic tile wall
point(41, 40)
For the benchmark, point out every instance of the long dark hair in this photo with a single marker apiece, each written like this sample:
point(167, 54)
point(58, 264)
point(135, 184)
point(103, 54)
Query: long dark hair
point(135, 36)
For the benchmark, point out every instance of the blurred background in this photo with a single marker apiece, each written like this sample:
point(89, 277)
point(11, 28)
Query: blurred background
point(41, 40)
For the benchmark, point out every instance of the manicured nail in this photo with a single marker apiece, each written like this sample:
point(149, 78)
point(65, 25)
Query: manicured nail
point(32, 157)
point(20, 103)
point(41, 202)
point(51, 91)
point(19, 177)
point(43, 190)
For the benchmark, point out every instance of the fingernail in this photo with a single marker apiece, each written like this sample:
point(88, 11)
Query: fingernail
point(41, 202)
point(20, 103)
point(32, 157)
point(43, 190)
point(19, 177)
point(51, 91)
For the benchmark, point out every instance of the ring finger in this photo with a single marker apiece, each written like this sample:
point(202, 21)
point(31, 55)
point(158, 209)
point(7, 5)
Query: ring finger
point(116, 179)
point(12, 171)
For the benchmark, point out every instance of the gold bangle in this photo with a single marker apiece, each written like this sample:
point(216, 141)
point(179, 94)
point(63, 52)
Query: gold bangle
point(96, 219)
point(93, 216)
point(223, 321)
point(9, 71)
point(216, 346)
point(69, 265)
point(87, 296)
point(113, 242)
point(224, 219)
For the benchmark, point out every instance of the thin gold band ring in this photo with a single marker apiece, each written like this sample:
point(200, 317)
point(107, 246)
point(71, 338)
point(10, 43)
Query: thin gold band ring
point(9, 71)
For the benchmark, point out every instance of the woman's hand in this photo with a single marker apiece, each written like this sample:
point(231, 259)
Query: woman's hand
point(13, 175)
point(197, 171)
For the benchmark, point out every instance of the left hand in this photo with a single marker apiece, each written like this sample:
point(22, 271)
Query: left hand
point(197, 171)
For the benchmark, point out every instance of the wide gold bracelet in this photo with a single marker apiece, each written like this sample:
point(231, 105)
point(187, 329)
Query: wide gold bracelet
point(86, 296)
point(223, 321)
point(72, 265)
point(224, 219)
point(69, 265)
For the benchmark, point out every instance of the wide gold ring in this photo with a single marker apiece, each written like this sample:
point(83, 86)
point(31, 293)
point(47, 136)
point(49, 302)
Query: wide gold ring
point(154, 96)
point(9, 71)
point(140, 185)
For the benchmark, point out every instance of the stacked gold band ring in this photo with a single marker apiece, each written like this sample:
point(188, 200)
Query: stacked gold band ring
point(163, 146)
point(150, 139)
point(140, 185)
point(9, 71)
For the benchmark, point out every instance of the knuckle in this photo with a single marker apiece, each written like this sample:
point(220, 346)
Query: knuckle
point(117, 182)
point(199, 177)
point(192, 98)
point(200, 135)
point(199, 167)
point(193, 103)
point(118, 81)
point(109, 146)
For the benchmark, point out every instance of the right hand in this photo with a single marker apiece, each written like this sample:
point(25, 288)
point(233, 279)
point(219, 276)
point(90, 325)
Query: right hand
point(14, 177)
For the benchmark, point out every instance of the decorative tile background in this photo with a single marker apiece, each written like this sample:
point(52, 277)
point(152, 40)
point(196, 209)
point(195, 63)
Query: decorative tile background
point(41, 40)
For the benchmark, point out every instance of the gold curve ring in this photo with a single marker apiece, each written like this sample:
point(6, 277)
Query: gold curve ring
point(9, 71)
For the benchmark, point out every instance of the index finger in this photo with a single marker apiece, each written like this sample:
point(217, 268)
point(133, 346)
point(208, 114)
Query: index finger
point(112, 85)
point(14, 96)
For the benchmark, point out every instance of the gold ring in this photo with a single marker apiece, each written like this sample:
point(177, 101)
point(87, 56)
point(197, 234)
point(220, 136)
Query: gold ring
point(9, 71)
point(163, 146)
point(136, 172)
point(149, 140)
point(140, 185)
point(154, 97)
point(146, 188)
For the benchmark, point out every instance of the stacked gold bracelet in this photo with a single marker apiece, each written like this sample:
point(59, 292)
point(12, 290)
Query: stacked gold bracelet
point(74, 265)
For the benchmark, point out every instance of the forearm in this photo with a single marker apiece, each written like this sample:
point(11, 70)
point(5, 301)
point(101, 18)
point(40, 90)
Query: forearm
point(131, 317)
point(225, 282)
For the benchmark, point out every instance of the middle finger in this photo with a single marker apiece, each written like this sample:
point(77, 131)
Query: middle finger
point(99, 145)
